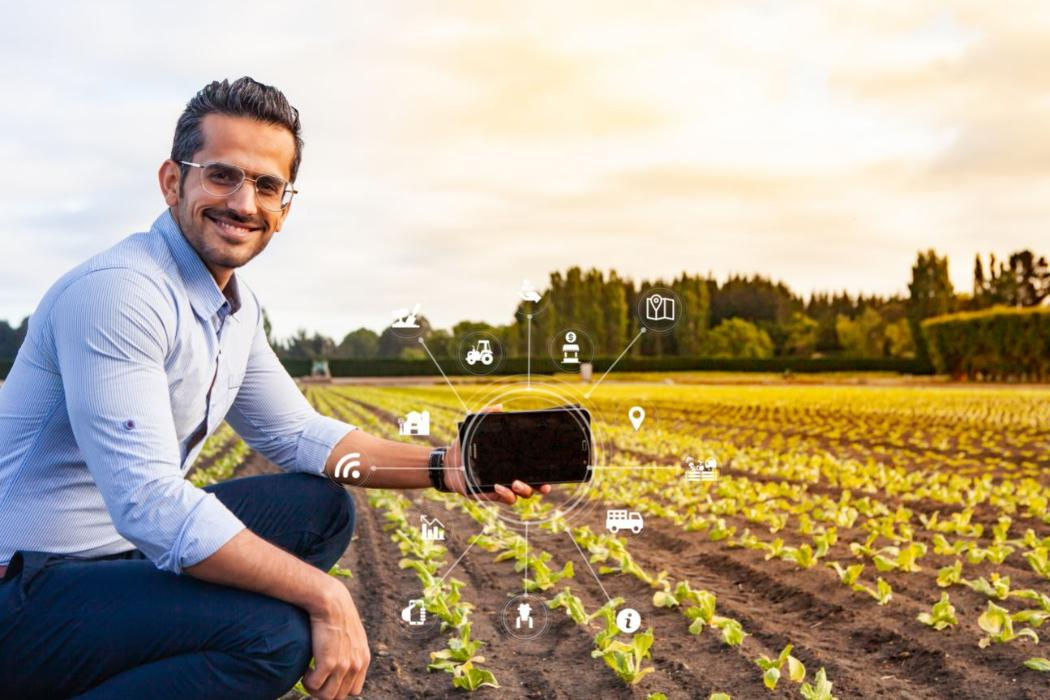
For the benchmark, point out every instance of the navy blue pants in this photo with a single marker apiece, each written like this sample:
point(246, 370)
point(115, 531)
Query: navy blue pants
point(119, 627)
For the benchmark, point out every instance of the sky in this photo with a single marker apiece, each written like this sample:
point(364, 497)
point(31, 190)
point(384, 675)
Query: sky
point(454, 149)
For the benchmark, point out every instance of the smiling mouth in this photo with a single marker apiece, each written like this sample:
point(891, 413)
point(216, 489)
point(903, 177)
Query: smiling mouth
point(231, 227)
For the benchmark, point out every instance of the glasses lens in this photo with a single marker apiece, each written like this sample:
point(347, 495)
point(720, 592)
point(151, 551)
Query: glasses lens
point(271, 191)
point(220, 179)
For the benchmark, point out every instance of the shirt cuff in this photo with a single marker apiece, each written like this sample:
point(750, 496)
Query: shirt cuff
point(319, 436)
point(208, 527)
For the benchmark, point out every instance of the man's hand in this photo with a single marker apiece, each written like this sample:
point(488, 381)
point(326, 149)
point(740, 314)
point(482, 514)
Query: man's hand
point(456, 479)
point(340, 646)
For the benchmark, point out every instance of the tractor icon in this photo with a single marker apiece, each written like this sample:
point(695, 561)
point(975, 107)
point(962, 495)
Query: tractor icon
point(481, 352)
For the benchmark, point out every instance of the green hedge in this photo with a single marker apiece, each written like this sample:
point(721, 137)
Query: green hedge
point(997, 343)
point(518, 365)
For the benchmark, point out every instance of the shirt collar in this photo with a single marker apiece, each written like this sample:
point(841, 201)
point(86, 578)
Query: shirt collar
point(204, 294)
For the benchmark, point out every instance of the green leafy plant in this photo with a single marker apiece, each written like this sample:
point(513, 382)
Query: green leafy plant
point(942, 615)
point(573, 606)
point(820, 690)
point(626, 659)
point(337, 570)
point(1038, 663)
point(998, 625)
point(1039, 560)
point(998, 587)
point(773, 669)
point(948, 575)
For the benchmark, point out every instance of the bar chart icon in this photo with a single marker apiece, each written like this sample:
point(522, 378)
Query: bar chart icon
point(431, 529)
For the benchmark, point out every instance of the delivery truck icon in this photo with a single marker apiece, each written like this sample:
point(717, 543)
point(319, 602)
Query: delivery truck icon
point(616, 520)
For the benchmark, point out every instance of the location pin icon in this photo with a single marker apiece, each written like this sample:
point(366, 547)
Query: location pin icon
point(637, 415)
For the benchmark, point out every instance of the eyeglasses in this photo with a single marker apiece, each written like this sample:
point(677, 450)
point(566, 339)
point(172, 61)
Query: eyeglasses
point(223, 179)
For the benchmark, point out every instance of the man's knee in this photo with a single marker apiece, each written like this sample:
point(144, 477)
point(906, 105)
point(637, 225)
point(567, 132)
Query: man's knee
point(285, 645)
point(339, 504)
point(333, 508)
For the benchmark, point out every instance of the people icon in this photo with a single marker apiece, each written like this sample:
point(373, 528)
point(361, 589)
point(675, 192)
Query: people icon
point(570, 350)
point(524, 616)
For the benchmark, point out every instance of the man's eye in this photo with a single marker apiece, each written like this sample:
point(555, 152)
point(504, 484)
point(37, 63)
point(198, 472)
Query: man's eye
point(221, 177)
point(269, 185)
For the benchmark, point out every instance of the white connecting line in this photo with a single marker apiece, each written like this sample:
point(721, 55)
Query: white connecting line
point(450, 385)
point(528, 355)
point(588, 563)
point(588, 394)
point(462, 554)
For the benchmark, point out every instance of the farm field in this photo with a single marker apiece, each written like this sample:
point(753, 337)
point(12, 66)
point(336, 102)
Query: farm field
point(896, 537)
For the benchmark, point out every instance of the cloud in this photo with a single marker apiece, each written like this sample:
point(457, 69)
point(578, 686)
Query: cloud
point(454, 149)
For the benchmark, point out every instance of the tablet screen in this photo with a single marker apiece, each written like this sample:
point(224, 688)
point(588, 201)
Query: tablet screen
point(550, 446)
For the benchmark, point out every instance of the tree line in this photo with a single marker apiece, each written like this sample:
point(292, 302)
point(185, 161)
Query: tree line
point(744, 316)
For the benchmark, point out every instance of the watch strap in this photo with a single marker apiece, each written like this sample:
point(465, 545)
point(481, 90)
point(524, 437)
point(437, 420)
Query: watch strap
point(436, 469)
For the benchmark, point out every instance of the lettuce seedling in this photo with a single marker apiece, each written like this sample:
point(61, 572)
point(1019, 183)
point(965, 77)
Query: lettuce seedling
point(820, 691)
point(942, 615)
point(997, 623)
point(772, 669)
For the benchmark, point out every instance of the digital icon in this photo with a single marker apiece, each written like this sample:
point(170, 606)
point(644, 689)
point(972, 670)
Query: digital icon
point(524, 616)
point(570, 350)
point(409, 615)
point(616, 520)
point(628, 620)
point(528, 291)
point(348, 466)
point(636, 415)
point(403, 318)
point(481, 352)
point(431, 529)
point(701, 471)
point(415, 423)
point(659, 308)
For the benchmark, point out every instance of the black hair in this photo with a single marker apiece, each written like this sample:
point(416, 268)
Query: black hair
point(243, 97)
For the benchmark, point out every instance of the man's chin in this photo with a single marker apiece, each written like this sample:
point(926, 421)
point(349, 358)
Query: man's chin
point(230, 259)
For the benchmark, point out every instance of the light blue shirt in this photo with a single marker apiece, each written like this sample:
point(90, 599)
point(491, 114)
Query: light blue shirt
point(102, 413)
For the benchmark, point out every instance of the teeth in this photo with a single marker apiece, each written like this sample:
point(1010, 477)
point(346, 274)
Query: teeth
point(232, 228)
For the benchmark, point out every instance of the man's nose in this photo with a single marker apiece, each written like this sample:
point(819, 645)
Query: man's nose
point(243, 201)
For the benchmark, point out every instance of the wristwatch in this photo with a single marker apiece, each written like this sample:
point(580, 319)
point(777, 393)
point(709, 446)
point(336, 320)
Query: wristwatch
point(437, 469)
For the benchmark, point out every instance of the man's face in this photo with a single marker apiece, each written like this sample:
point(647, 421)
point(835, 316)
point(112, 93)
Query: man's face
point(229, 231)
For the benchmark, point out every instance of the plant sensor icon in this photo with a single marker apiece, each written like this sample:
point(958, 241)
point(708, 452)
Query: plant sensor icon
point(348, 466)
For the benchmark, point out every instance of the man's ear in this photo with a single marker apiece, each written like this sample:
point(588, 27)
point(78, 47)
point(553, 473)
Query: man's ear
point(169, 176)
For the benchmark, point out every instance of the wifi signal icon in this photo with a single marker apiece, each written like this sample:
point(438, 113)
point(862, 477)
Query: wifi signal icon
point(347, 466)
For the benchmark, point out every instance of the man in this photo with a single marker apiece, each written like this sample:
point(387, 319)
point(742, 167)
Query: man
point(120, 578)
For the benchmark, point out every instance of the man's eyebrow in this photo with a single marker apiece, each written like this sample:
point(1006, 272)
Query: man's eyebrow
point(247, 171)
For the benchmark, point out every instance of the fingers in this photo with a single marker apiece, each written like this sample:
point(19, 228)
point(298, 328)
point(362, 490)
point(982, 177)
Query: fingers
point(504, 494)
point(522, 489)
point(509, 496)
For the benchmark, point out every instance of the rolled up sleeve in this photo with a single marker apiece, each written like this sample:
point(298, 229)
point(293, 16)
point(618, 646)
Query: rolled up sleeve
point(273, 416)
point(111, 338)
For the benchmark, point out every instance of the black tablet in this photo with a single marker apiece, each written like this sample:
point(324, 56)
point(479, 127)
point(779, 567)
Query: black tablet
point(548, 446)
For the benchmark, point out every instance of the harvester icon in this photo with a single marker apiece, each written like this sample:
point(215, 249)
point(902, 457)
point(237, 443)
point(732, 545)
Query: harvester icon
point(480, 352)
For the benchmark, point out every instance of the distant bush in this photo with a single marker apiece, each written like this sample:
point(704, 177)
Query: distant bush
point(996, 343)
point(736, 338)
